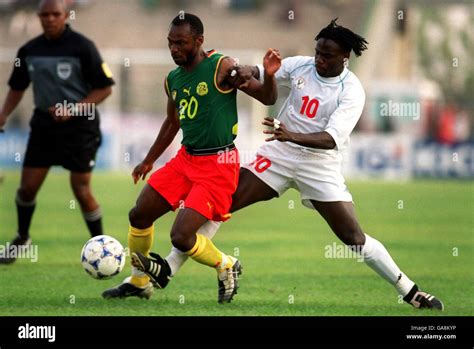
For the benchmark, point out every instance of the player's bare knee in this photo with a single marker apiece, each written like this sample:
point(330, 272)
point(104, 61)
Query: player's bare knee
point(134, 218)
point(138, 219)
point(81, 192)
point(352, 236)
point(180, 240)
point(26, 194)
point(131, 216)
point(358, 239)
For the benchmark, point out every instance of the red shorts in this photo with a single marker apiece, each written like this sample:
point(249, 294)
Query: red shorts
point(204, 183)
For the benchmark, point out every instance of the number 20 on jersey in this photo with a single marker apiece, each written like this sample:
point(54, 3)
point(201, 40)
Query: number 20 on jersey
point(188, 109)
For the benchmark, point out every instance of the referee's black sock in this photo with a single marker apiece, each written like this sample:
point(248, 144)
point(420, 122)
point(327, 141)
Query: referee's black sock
point(94, 221)
point(25, 211)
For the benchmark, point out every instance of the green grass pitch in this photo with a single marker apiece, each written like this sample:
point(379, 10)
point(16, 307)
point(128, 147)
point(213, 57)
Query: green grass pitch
point(427, 226)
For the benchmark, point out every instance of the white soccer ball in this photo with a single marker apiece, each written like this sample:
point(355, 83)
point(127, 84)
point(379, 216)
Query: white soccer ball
point(103, 257)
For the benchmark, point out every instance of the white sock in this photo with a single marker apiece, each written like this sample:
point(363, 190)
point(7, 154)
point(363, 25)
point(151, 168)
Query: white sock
point(92, 216)
point(404, 285)
point(377, 257)
point(177, 258)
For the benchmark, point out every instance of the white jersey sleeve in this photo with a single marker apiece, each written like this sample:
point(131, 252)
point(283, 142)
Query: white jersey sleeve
point(343, 120)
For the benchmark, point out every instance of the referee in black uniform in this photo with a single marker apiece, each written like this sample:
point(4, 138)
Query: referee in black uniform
point(69, 78)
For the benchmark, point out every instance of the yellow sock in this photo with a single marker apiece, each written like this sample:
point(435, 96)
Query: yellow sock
point(205, 252)
point(140, 240)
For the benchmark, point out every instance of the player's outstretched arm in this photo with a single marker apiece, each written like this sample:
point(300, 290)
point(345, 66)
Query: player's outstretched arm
point(242, 74)
point(11, 102)
point(266, 92)
point(167, 133)
point(279, 132)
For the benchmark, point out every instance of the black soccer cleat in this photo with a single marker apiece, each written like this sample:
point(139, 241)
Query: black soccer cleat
point(228, 282)
point(10, 254)
point(423, 300)
point(126, 289)
point(155, 267)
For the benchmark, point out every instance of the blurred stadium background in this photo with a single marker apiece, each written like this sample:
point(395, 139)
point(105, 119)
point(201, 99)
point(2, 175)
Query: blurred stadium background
point(418, 123)
point(418, 74)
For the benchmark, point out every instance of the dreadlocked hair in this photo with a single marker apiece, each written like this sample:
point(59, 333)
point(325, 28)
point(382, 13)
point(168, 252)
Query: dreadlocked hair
point(347, 39)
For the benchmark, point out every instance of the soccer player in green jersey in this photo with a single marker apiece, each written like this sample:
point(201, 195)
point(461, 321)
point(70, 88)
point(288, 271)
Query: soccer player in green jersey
point(202, 102)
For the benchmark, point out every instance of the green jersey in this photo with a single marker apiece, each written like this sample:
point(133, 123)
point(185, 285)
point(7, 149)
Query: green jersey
point(207, 114)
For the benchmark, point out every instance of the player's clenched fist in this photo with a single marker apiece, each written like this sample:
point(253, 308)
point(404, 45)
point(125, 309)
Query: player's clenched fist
point(240, 76)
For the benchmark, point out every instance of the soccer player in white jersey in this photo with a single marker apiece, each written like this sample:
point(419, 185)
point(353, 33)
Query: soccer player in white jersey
point(304, 152)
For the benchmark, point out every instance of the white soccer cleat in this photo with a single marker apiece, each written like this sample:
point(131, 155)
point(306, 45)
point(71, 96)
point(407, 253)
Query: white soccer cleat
point(228, 281)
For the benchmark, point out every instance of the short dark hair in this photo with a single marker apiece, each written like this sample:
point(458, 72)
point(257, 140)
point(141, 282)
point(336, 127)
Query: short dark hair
point(194, 22)
point(346, 38)
point(62, 2)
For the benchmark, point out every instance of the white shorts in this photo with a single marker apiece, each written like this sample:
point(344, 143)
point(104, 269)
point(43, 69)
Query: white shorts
point(316, 175)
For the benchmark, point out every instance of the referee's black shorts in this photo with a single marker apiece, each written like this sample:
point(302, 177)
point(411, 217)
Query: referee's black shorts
point(72, 149)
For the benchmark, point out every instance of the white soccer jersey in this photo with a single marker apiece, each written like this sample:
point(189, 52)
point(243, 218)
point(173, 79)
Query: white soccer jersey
point(318, 104)
point(315, 104)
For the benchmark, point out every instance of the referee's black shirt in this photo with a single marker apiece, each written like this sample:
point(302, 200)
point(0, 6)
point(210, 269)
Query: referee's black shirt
point(62, 71)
